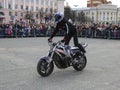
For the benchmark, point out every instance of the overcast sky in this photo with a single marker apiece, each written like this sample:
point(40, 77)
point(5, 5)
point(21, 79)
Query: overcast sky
point(83, 3)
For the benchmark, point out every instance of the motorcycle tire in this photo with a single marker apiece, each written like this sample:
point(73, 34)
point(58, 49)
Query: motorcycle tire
point(43, 69)
point(80, 66)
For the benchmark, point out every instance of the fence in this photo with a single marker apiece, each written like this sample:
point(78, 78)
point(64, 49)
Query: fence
point(15, 33)
point(106, 34)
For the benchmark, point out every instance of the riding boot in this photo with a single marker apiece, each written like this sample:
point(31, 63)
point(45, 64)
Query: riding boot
point(81, 48)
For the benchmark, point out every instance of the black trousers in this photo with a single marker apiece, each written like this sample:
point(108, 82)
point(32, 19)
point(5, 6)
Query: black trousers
point(75, 40)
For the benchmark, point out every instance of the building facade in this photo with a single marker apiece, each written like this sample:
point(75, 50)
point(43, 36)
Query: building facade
point(102, 13)
point(95, 3)
point(12, 10)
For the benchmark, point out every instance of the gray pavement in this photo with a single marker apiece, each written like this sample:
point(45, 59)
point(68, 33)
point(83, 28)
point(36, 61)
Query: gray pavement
point(19, 57)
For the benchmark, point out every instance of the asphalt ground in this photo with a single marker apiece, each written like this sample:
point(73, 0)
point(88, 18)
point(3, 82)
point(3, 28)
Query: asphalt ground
point(19, 58)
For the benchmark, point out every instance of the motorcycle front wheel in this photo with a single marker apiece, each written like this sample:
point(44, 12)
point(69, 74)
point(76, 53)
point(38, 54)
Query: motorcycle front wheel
point(45, 69)
point(80, 64)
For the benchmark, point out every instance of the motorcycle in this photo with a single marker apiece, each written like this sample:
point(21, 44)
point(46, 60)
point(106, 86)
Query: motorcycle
point(58, 56)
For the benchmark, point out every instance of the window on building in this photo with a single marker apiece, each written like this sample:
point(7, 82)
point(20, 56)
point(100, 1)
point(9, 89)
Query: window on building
point(111, 18)
point(42, 9)
point(86, 13)
point(27, 1)
point(9, 6)
point(37, 8)
point(114, 13)
point(42, 2)
point(22, 0)
point(27, 7)
point(46, 10)
point(32, 1)
point(21, 14)
point(51, 10)
point(92, 18)
point(103, 18)
point(21, 6)
point(18, 1)
point(16, 6)
point(16, 14)
point(46, 3)
point(51, 3)
point(10, 13)
point(55, 3)
point(92, 13)
point(37, 16)
point(32, 8)
point(1, 5)
point(55, 10)
point(37, 1)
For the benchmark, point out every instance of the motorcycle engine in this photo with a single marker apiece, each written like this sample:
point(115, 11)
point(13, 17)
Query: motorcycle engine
point(61, 62)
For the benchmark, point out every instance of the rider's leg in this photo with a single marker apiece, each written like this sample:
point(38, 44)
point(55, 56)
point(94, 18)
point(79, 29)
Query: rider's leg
point(75, 39)
point(67, 40)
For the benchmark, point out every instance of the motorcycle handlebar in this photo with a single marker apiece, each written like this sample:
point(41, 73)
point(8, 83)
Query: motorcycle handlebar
point(51, 42)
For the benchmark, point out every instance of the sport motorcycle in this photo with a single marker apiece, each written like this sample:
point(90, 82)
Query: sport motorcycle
point(58, 56)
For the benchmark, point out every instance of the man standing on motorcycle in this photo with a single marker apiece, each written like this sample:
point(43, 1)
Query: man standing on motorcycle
point(70, 29)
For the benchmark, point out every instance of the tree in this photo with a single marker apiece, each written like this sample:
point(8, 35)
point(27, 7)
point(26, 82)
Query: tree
point(69, 14)
point(29, 16)
point(81, 17)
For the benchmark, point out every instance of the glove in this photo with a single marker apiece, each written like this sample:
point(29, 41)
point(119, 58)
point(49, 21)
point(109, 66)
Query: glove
point(49, 39)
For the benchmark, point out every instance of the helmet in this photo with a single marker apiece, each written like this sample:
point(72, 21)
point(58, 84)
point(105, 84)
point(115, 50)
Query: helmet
point(58, 17)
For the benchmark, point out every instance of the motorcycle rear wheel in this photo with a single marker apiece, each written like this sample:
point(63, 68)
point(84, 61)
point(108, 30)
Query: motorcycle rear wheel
point(44, 69)
point(82, 63)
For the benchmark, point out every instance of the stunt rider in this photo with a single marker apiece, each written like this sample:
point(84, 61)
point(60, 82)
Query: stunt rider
point(70, 29)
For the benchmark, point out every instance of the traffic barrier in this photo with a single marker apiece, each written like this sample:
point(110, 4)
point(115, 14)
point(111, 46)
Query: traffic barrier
point(106, 34)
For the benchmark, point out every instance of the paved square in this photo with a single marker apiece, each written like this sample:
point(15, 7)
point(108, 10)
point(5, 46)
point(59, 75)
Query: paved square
point(19, 57)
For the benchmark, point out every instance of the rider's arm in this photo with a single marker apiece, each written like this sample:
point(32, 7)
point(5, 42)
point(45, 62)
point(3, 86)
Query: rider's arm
point(55, 31)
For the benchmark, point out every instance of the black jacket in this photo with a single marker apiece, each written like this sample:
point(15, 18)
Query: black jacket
point(65, 25)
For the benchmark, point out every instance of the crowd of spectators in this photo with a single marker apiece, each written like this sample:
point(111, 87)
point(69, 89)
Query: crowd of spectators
point(99, 31)
point(25, 30)
point(35, 30)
